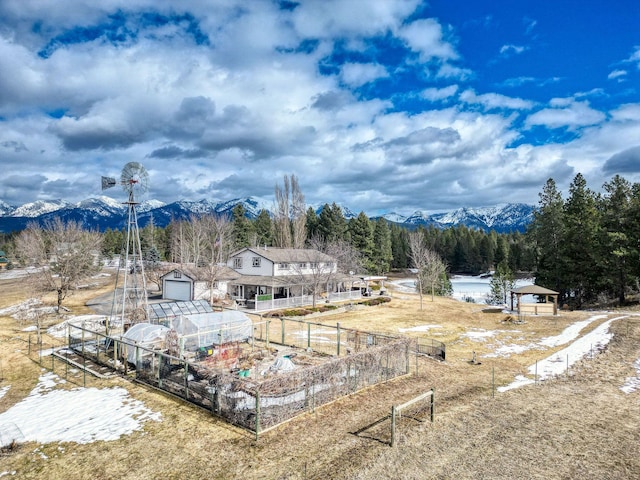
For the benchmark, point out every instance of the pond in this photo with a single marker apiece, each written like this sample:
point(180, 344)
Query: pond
point(467, 287)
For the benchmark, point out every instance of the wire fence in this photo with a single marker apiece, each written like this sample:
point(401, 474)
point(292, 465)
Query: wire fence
point(262, 399)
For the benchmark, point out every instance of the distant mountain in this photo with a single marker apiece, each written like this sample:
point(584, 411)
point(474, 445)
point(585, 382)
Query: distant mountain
point(105, 212)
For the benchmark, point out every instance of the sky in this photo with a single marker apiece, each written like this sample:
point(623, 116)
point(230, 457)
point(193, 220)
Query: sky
point(379, 105)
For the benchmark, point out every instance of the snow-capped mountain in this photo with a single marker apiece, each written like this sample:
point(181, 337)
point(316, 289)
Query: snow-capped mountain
point(105, 212)
point(38, 208)
point(6, 209)
point(506, 217)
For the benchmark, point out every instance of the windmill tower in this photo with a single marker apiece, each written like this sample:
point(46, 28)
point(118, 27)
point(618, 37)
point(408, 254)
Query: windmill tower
point(130, 295)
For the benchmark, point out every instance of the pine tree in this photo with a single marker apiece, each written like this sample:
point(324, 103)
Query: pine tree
point(263, 228)
point(361, 233)
point(618, 247)
point(547, 234)
point(580, 260)
point(382, 254)
point(241, 227)
point(501, 284)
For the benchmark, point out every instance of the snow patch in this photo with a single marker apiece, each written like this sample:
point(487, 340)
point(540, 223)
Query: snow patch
point(81, 415)
point(632, 384)
point(559, 362)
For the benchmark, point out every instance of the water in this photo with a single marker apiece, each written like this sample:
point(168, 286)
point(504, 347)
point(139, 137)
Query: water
point(474, 287)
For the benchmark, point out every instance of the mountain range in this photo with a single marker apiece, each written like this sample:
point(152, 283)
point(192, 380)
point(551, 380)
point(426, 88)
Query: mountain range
point(105, 212)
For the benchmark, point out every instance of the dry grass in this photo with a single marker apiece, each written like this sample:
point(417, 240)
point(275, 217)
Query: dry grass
point(582, 426)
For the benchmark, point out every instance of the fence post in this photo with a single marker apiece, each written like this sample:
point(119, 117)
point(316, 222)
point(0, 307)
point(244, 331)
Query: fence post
point(493, 382)
point(433, 404)
point(338, 338)
point(267, 333)
point(393, 425)
point(257, 414)
point(408, 368)
point(282, 327)
point(308, 334)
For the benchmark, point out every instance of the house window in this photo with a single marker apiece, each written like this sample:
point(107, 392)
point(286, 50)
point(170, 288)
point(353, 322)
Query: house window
point(283, 266)
point(237, 262)
point(177, 274)
point(313, 265)
point(255, 261)
point(303, 266)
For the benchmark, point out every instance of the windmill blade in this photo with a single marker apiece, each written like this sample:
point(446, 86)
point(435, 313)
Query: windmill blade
point(108, 182)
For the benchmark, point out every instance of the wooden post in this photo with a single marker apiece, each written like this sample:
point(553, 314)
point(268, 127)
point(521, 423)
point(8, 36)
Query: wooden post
point(308, 334)
point(393, 425)
point(267, 334)
point(408, 368)
point(493, 382)
point(30, 344)
point(282, 327)
point(338, 338)
point(257, 414)
point(433, 404)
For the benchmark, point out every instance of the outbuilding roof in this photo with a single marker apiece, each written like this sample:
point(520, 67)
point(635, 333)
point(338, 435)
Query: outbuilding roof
point(534, 290)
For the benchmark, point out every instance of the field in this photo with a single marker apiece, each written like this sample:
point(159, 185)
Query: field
point(577, 425)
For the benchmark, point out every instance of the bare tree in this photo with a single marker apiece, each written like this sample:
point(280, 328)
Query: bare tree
point(290, 217)
point(64, 254)
point(428, 263)
point(314, 270)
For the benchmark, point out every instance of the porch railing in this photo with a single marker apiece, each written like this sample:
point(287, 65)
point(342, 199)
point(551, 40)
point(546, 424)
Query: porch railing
point(348, 295)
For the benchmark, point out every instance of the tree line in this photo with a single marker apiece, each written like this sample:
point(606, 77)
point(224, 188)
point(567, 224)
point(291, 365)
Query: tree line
point(586, 247)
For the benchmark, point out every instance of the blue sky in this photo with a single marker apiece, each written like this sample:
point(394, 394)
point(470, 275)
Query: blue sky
point(379, 105)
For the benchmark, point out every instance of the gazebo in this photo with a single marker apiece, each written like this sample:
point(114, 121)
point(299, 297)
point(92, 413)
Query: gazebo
point(550, 305)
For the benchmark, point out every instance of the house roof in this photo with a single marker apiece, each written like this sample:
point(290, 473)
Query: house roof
point(285, 280)
point(288, 255)
point(533, 290)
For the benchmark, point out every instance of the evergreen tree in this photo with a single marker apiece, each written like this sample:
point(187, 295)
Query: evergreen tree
point(312, 223)
point(618, 246)
point(399, 247)
point(263, 228)
point(361, 233)
point(547, 234)
point(332, 225)
point(382, 254)
point(579, 250)
point(501, 284)
point(242, 228)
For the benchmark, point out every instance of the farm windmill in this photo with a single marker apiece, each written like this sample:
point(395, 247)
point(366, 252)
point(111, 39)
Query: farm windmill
point(130, 297)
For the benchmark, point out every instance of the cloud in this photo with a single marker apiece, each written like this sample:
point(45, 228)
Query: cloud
point(438, 94)
point(626, 161)
point(426, 37)
point(635, 56)
point(619, 74)
point(508, 50)
point(566, 112)
point(495, 101)
point(358, 74)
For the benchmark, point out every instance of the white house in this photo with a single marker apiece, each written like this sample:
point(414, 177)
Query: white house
point(273, 277)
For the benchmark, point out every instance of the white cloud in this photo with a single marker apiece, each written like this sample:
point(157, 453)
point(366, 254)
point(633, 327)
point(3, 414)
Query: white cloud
point(511, 49)
point(357, 74)
point(566, 112)
point(438, 94)
point(426, 37)
point(495, 100)
point(617, 74)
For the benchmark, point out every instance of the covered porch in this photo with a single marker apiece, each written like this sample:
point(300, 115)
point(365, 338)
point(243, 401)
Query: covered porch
point(259, 293)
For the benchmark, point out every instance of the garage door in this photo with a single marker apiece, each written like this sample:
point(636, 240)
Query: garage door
point(177, 290)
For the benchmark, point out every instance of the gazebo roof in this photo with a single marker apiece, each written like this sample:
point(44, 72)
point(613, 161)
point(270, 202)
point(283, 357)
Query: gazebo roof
point(533, 290)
